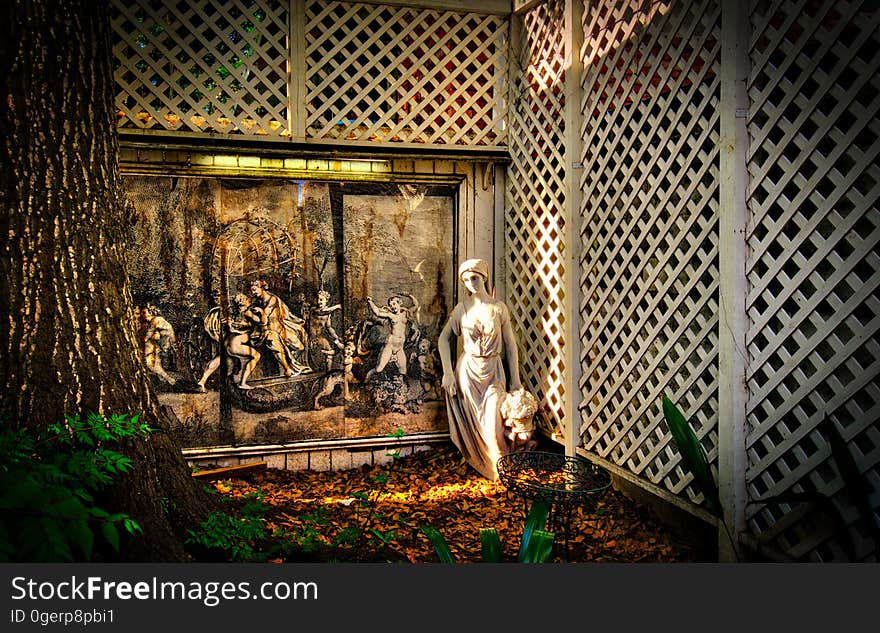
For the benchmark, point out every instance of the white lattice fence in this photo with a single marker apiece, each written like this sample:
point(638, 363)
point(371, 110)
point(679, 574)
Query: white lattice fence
point(813, 270)
point(650, 231)
point(384, 73)
point(218, 66)
point(534, 218)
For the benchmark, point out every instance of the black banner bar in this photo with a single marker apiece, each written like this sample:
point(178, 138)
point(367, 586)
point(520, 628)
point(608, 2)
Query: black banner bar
point(230, 597)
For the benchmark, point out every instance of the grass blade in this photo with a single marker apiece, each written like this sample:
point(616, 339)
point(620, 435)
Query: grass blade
point(491, 543)
point(536, 520)
point(439, 544)
point(693, 455)
point(540, 548)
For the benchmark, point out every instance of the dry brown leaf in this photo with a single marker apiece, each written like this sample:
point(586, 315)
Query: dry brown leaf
point(437, 488)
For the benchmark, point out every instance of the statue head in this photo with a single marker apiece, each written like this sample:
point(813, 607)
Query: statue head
point(474, 274)
point(477, 266)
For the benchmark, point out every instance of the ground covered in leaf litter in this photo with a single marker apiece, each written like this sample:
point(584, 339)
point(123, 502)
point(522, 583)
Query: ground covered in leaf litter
point(375, 514)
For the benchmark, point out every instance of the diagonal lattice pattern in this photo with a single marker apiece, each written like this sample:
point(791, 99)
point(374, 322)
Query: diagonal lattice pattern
point(385, 73)
point(534, 215)
point(202, 66)
point(813, 270)
point(650, 231)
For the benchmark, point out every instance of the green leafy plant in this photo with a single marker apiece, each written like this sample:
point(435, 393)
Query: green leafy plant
point(50, 480)
point(539, 549)
point(229, 534)
point(396, 434)
point(535, 522)
point(440, 545)
point(385, 537)
point(695, 459)
point(349, 535)
point(308, 537)
point(536, 544)
point(241, 536)
point(367, 517)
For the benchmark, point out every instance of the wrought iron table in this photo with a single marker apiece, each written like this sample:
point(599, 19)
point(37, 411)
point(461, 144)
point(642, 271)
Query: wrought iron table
point(563, 482)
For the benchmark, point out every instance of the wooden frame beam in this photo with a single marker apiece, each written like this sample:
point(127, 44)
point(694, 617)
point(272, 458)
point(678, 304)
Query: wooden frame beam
point(496, 7)
point(733, 320)
point(574, 39)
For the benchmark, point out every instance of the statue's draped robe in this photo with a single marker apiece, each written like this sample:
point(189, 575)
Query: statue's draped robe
point(475, 424)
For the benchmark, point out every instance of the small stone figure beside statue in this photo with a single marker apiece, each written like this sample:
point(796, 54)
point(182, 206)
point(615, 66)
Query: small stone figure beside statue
point(490, 413)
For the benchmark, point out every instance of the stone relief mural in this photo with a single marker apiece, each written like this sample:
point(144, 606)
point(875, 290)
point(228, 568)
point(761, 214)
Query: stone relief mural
point(274, 311)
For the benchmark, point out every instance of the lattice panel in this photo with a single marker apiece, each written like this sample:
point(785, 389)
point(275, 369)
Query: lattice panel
point(534, 216)
point(384, 73)
point(650, 231)
point(813, 269)
point(202, 65)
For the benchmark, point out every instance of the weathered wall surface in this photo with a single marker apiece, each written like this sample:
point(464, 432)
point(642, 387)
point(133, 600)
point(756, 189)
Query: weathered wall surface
point(208, 226)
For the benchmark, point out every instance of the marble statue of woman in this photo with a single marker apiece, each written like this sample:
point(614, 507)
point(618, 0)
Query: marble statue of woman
point(477, 385)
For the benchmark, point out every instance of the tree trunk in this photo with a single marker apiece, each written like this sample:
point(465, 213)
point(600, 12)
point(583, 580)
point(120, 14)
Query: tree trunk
point(67, 340)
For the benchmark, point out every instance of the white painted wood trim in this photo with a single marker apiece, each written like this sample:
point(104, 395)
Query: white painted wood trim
point(296, 71)
point(733, 320)
point(574, 39)
point(497, 7)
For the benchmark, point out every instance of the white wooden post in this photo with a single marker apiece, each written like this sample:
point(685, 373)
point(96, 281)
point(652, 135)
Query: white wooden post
point(732, 327)
point(297, 71)
point(514, 48)
point(574, 38)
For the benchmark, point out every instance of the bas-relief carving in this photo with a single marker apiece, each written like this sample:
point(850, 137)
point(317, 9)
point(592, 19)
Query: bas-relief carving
point(320, 312)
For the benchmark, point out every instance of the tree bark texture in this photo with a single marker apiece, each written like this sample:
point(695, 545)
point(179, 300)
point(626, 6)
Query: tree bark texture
point(67, 338)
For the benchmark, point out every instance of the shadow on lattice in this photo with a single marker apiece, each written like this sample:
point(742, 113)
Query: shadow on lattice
point(817, 503)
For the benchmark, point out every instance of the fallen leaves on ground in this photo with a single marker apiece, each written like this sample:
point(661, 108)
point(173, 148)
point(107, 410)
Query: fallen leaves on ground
point(376, 513)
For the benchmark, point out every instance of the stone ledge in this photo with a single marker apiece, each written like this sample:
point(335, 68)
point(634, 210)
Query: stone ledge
point(318, 455)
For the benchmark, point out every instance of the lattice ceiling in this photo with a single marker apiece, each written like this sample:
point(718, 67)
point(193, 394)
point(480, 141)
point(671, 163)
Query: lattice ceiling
point(362, 72)
point(404, 74)
point(202, 66)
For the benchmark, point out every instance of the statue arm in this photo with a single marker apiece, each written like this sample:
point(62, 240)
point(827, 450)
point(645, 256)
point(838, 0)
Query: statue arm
point(444, 346)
